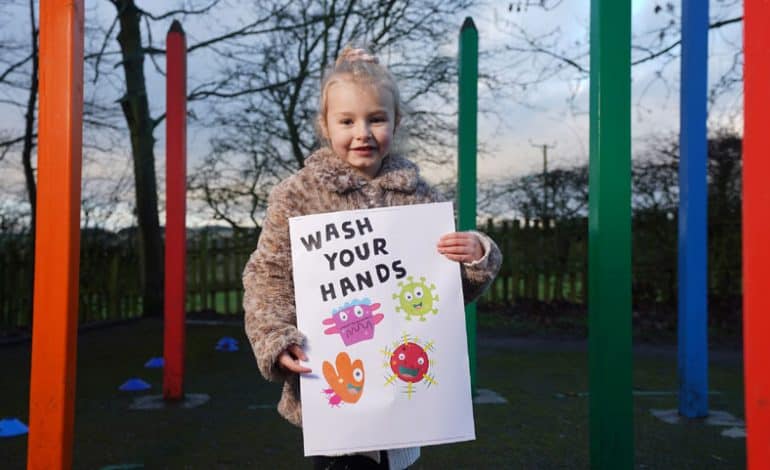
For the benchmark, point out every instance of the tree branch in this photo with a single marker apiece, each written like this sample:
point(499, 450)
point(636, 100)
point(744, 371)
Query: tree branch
point(197, 95)
point(715, 25)
point(180, 11)
point(14, 67)
point(104, 46)
point(11, 142)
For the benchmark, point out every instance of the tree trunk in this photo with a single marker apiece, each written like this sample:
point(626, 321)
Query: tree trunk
point(26, 151)
point(137, 112)
point(29, 128)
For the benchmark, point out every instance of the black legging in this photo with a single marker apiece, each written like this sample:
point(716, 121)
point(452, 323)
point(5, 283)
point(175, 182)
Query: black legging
point(350, 462)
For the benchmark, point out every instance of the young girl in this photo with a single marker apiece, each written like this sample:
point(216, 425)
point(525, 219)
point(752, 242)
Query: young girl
point(356, 168)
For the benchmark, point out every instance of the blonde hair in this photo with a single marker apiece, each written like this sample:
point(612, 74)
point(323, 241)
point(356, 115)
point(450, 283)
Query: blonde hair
point(360, 67)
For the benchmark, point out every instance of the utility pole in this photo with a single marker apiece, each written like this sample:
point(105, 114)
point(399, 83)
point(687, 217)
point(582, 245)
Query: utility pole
point(544, 218)
point(545, 148)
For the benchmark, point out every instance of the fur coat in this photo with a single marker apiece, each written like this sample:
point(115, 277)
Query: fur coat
point(326, 184)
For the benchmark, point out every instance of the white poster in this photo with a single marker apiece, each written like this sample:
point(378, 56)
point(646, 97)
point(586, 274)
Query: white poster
point(384, 317)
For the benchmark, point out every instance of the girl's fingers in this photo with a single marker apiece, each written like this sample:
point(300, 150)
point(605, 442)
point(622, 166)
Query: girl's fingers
point(456, 250)
point(456, 242)
point(457, 257)
point(460, 246)
point(297, 352)
point(293, 366)
point(455, 237)
point(453, 245)
point(288, 360)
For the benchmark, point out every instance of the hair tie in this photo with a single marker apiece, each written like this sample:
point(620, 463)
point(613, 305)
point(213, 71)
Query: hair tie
point(350, 54)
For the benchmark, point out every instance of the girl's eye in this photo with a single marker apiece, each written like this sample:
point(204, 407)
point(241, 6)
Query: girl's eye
point(346, 122)
point(379, 119)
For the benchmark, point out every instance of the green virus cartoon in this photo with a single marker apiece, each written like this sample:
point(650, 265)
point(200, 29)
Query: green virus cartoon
point(407, 363)
point(416, 299)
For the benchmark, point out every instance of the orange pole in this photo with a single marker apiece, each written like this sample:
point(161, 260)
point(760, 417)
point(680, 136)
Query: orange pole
point(57, 236)
point(756, 232)
point(176, 191)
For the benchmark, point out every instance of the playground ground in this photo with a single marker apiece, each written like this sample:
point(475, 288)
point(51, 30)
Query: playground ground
point(544, 425)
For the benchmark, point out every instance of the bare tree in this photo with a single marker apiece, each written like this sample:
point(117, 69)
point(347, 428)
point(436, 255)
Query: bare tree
point(552, 54)
point(267, 97)
point(133, 28)
point(656, 176)
point(19, 73)
point(567, 190)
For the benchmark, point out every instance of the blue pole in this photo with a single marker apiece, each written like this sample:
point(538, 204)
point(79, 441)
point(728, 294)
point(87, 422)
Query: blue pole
point(693, 341)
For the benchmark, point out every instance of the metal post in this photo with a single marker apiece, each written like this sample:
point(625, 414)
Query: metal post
point(57, 236)
point(756, 232)
point(693, 310)
point(176, 190)
point(609, 226)
point(466, 165)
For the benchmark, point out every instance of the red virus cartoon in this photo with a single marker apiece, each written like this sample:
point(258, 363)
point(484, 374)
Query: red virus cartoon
point(409, 362)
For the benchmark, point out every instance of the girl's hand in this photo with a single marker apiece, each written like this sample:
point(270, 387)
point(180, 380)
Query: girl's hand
point(290, 357)
point(461, 246)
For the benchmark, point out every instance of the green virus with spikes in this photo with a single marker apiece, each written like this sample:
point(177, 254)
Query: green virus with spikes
point(416, 299)
point(409, 363)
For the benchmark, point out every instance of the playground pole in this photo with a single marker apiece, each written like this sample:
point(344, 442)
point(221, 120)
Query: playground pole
point(176, 186)
point(57, 236)
point(693, 201)
point(609, 237)
point(466, 158)
point(756, 232)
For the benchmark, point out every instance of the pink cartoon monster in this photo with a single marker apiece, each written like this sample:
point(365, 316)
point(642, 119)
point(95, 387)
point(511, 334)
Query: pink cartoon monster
point(354, 321)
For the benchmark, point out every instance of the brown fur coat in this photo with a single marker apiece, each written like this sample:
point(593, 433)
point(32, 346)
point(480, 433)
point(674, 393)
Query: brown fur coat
point(326, 184)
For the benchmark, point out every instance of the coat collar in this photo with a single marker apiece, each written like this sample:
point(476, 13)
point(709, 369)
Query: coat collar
point(334, 174)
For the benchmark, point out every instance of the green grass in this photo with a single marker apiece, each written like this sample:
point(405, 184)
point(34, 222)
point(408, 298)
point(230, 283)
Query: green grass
point(239, 427)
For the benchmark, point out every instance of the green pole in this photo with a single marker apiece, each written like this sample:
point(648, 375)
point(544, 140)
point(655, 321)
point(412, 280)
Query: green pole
point(466, 158)
point(609, 237)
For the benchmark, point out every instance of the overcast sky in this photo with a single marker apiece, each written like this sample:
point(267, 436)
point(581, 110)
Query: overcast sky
point(544, 115)
point(552, 121)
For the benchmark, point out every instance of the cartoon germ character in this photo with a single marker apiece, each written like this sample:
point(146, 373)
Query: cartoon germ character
point(408, 360)
point(346, 382)
point(354, 321)
point(416, 299)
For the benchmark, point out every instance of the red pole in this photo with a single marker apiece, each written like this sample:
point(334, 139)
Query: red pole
point(57, 236)
point(756, 232)
point(176, 184)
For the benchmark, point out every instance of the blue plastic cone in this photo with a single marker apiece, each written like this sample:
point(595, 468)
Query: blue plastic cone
point(12, 427)
point(227, 343)
point(227, 340)
point(154, 363)
point(227, 347)
point(134, 385)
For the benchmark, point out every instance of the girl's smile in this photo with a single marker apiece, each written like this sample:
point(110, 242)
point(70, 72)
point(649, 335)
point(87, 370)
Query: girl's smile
point(365, 150)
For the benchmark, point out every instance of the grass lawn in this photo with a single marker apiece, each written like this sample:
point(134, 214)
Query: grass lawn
point(544, 425)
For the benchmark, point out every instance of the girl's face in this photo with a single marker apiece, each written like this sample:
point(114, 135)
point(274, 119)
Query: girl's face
point(360, 124)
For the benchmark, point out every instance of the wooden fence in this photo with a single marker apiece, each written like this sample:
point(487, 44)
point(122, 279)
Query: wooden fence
point(542, 262)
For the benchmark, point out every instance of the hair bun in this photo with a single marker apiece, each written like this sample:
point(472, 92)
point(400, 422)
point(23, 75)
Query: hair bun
point(351, 54)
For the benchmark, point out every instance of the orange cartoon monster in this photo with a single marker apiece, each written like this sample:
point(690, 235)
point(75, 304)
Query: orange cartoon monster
point(346, 382)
